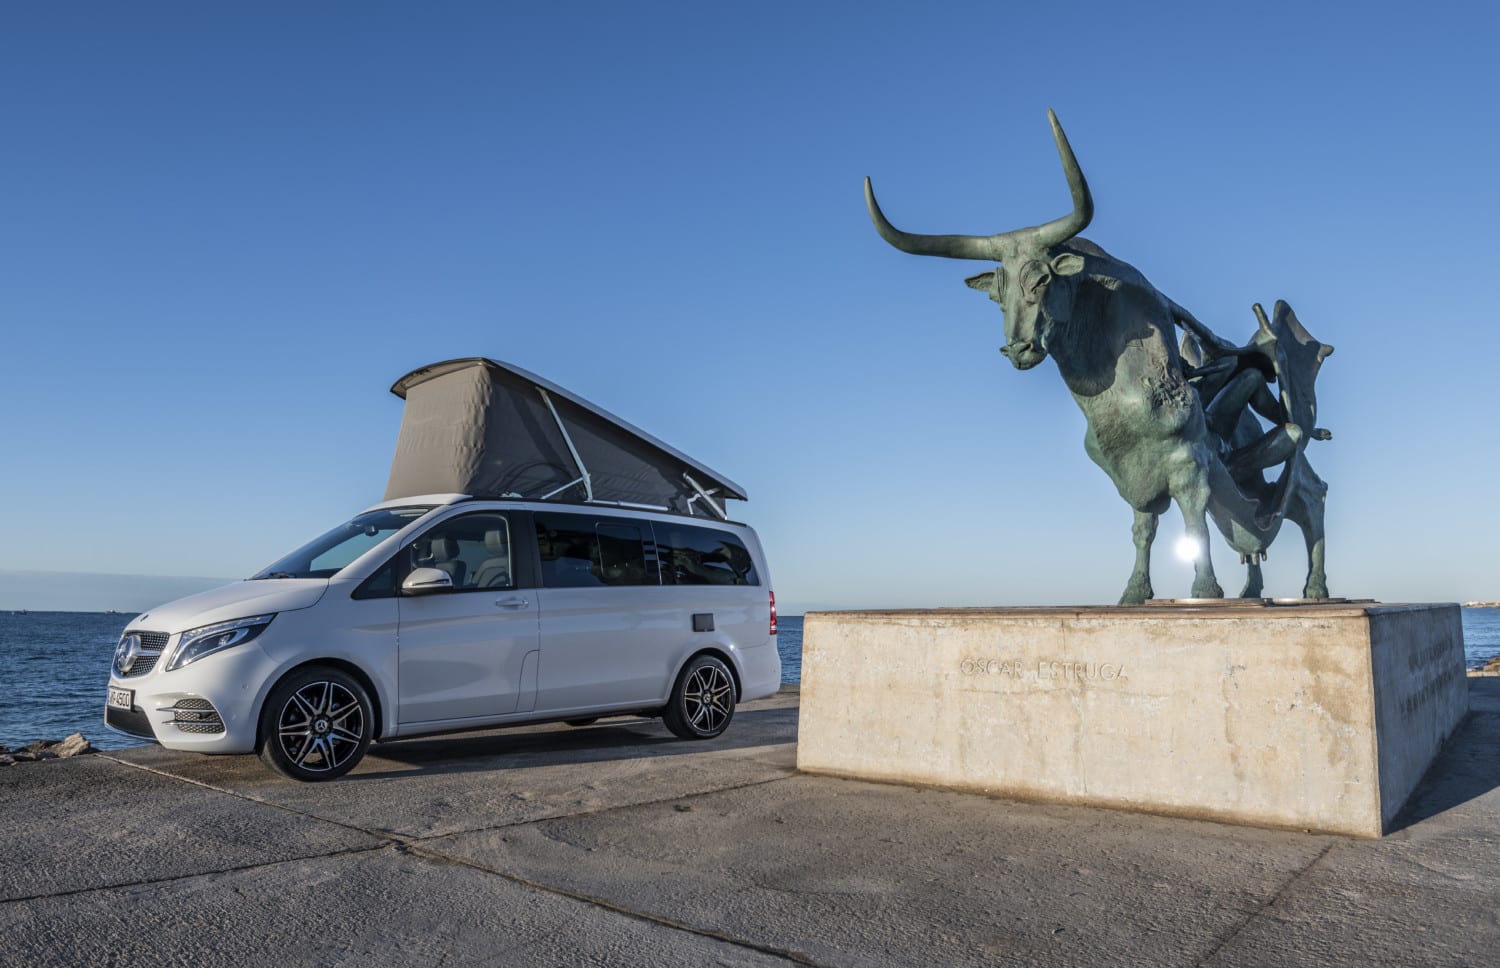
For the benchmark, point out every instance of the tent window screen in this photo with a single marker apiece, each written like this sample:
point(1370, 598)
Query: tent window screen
point(579, 551)
point(703, 556)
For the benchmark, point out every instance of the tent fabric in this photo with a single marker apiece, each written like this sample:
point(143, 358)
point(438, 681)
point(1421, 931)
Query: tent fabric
point(482, 427)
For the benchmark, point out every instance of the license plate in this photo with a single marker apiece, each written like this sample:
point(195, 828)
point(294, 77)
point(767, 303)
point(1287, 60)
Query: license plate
point(120, 698)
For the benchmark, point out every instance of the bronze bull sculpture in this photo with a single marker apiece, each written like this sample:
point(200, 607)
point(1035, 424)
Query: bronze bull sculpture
point(1165, 424)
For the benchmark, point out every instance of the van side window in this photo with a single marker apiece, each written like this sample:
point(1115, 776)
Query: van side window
point(702, 556)
point(474, 549)
point(622, 554)
point(382, 584)
point(579, 551)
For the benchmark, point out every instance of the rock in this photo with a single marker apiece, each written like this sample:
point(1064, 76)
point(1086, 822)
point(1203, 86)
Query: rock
point(1493, 666)
point(75, 745)
point(39, 746)
point(23, 756)
point(4, 749)
point(6, 759)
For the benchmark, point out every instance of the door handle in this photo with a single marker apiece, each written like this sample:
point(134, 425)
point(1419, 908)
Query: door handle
point(512, 603)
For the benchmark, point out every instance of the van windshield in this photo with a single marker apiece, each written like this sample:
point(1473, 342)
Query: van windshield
point(328, 554)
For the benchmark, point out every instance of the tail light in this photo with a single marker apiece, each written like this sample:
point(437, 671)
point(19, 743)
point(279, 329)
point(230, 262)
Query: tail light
point(773, 613)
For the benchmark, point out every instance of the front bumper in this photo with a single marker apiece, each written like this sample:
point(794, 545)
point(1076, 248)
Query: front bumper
point(130, 722)
point(209, 706)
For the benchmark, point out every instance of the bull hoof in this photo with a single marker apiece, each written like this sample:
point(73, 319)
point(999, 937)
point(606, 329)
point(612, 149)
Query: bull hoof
point(1315, 589)
point(1136, 593)
point(1207, 588)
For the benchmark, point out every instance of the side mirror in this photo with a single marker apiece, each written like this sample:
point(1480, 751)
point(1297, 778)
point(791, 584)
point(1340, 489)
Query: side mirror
point(424, 581)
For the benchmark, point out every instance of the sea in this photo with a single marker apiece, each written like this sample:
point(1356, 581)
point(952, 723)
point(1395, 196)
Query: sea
point(59, 664)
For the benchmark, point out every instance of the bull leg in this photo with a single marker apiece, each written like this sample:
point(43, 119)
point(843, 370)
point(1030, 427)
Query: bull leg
point(1193, 500)
point(1143, 532)
point(1317, 580)
point(1308, 498)
point(1254, 587)
point(1253, 584)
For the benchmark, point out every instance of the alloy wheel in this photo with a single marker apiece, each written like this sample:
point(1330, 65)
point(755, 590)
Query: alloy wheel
point(321, 726)
point(708, 698)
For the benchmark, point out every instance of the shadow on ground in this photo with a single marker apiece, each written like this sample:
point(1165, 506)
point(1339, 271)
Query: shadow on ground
point(607, 740)
point(1469, 765)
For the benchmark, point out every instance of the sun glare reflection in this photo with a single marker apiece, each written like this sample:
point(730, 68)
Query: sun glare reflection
point(1188, 548)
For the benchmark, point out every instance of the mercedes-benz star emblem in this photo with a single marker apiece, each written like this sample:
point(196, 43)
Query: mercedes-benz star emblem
point(129, 650)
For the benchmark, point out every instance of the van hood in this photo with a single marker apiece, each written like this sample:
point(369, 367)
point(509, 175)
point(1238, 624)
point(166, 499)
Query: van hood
point(241, 599)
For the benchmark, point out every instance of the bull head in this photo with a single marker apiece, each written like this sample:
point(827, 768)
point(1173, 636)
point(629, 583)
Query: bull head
point(1023, 284)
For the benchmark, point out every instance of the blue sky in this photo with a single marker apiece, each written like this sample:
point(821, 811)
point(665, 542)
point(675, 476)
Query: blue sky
point(226, 232)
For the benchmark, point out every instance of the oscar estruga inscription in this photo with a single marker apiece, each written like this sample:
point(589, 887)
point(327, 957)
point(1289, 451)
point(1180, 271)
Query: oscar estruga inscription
point(1043, 670)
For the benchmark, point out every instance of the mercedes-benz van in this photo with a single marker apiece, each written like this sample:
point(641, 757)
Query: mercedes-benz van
point(445, 613)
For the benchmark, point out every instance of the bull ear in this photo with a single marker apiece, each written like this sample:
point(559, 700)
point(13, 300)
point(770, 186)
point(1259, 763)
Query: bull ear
point(984, 282)
point(1067, 264)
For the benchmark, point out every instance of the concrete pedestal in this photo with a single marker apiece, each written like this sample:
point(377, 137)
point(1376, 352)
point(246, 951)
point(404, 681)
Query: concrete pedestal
point(1321, 716)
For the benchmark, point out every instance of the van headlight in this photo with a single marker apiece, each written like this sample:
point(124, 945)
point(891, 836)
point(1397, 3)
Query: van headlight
point(196, 643)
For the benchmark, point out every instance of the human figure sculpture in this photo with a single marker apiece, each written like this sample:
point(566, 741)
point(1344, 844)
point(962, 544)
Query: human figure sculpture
point(1164, 423)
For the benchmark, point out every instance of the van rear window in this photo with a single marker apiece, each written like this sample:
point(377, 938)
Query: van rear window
point(702, 556)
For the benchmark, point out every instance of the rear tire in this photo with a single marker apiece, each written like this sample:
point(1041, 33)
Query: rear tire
point(703, 699)
point(316, 724)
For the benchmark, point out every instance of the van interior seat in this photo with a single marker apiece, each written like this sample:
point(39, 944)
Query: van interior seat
point(494, 571)
point(444, 555)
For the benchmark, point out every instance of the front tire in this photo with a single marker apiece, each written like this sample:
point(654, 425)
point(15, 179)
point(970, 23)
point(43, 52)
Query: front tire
point(702, 702)
point(316, 724)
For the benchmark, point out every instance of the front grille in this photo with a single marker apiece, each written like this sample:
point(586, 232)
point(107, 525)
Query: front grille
point(133, 721)
point(143, 665)
point(194, 715)
point(152, 644)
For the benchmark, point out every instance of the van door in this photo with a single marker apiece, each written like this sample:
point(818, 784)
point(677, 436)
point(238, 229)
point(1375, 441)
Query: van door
point(604, 619)
point(462, 652)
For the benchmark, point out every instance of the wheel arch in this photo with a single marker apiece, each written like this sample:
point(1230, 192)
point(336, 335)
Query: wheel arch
point(343, 665)
point(723, 656)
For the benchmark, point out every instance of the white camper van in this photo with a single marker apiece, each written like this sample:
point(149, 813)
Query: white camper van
point(574, 568)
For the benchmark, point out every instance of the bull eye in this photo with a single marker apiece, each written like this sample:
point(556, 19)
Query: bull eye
point(1033, 280)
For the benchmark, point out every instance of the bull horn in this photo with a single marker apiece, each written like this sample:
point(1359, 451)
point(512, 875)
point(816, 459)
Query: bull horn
point(1063, 229)
point(993, 248)
point(984, 247)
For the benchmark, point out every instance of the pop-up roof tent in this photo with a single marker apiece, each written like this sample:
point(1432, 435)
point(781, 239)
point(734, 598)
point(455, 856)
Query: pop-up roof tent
point(489, 429)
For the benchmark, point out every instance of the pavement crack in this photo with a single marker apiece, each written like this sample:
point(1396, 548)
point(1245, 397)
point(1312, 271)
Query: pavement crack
point(385, 836)
point(599, 811)
point(148, 882)
point(1269, 903)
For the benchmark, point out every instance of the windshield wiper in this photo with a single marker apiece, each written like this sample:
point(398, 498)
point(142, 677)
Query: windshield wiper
point(274, 574)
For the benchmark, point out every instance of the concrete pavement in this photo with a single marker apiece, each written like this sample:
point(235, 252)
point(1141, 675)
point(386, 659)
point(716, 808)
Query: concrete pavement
point(616, 844)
